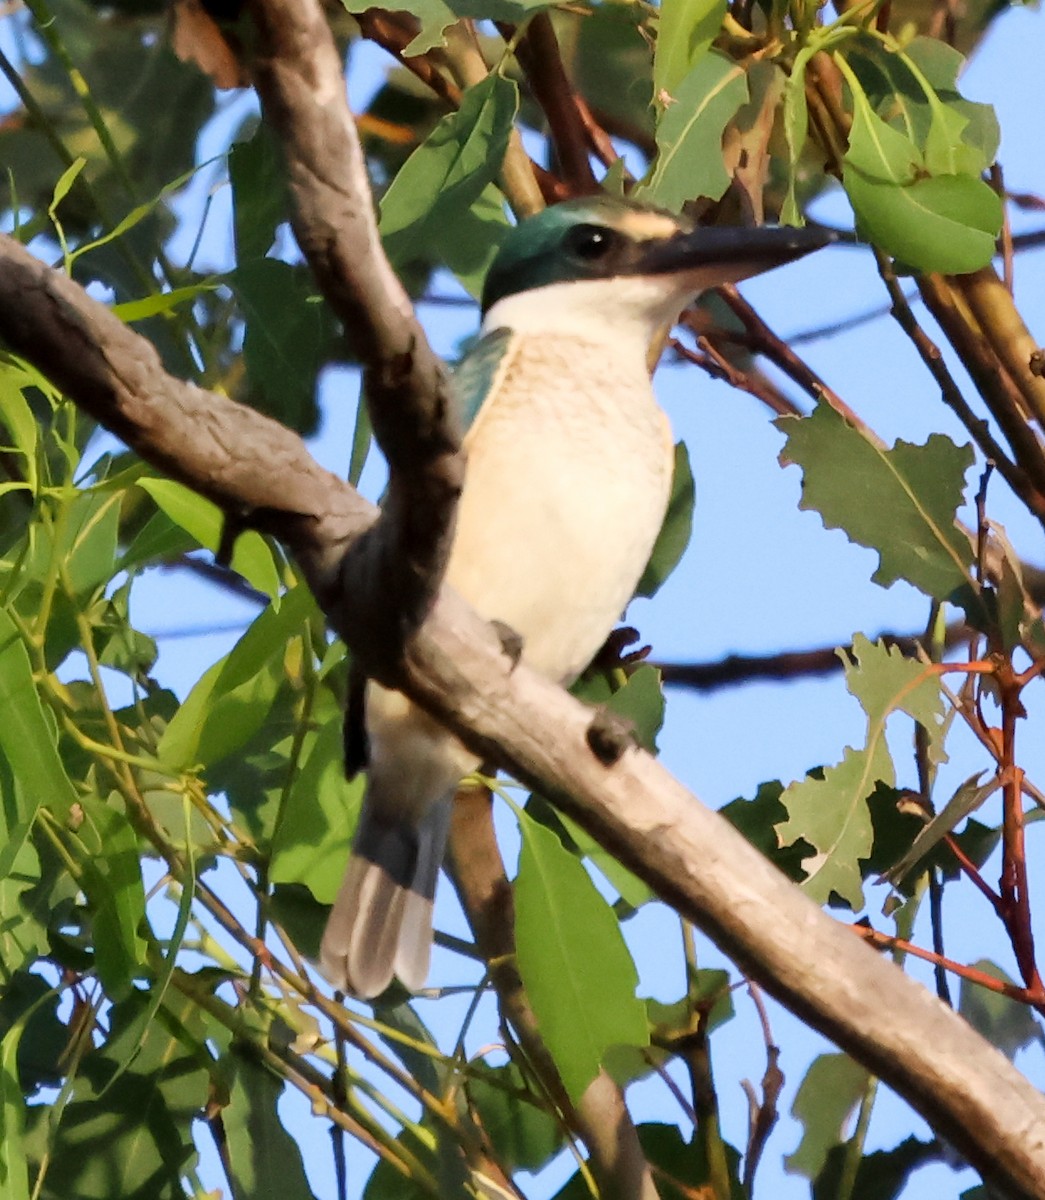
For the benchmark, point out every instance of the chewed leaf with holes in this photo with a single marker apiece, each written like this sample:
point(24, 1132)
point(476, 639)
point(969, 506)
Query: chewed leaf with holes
point(830, 812)
point(900, 502)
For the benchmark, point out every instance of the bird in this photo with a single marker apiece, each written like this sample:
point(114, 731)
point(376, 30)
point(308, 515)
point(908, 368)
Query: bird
point(568, 475)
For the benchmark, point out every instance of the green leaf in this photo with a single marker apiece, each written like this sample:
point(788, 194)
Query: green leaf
point(23, 932)
point(689, 134)
point(436, 15)
point(286, 336)
point(641, 702)
point(796, 132)
point(880, 1175)
point(449, 173)
point(524, 1134)
point(264, 1160)
point(17, 418)
point(915, 90)
point(900, 502)
point(685, 31)
point(110, 867)
point(86, 544)
point(941, 222)
point(260, 199)
point(756, 820)
point(161, 302)
point(675, 533)
point(830, 812)
point(14, 1170)
point(469, 243)
point(310, 844)
point(965, 800)
point(232, 699)
point(711, 995)
point(1005, 1023)
point(65, 181)
point(29, 1006)
point(826, 1097)
point(27, 738)
point(131, 1140)
point(203, 520)
point(573, 961)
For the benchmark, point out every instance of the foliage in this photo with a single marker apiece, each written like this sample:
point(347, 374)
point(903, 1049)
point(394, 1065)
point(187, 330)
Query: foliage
point(166, 861)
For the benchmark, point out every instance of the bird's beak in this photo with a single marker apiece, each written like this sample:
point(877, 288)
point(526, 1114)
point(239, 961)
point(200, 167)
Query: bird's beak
point(727, 254)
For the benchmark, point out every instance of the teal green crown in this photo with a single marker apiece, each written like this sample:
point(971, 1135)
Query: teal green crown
point(596, 237)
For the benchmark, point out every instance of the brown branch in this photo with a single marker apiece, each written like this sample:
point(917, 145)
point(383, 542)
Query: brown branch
point(1002, 398)
point(394, 31)
point(784, 666)
point(396, 568)
point(886, 941)
point(718, 366)
point(600, 1118)
point(539, 56)
point(1014, 476)
point(600, 141)
point(992, 305)
point(760, 339)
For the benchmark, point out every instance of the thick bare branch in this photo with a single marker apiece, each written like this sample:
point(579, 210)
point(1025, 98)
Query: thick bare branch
point(455, 667)
point(223, 450)
point(396, 568)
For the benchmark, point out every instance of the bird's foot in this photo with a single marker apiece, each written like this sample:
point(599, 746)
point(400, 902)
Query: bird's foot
point(615, 653)
point(609, 735)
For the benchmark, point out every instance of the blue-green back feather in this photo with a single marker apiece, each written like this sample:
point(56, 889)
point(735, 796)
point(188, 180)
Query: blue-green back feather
point(475, 374)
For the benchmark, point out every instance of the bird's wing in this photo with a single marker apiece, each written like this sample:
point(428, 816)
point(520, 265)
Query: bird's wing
point(476, 375)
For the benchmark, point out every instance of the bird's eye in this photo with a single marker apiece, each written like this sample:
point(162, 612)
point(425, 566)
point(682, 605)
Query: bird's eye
point(591, 242)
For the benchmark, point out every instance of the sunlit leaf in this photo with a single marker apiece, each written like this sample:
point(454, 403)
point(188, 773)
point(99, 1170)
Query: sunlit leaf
point(233, 697)
point(830, 812)
point(826, 1097)
point(251, 556)
point(577, 971)
point(900, 502)
point(449, 173)
point(689, 134)
point(931, 222)
point(310, 845)
point(111, 878)
point(685, 31)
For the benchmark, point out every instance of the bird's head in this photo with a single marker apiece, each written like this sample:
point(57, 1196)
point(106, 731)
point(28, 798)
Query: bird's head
point(617, 265)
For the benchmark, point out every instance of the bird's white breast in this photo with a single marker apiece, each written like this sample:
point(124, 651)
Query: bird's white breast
point(568, 478)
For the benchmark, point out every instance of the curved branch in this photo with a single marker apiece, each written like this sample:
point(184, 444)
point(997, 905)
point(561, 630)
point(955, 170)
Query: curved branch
point(299, 79)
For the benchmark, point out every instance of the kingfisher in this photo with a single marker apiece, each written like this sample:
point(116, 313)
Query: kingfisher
point(568, 475)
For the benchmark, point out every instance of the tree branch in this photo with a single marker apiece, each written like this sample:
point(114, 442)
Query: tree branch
point(396, 568)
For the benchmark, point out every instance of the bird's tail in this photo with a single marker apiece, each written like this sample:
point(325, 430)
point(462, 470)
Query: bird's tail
point(381, 922)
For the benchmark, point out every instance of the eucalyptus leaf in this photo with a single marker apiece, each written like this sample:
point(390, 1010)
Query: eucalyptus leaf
point(689, 159)
point(577, 971)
